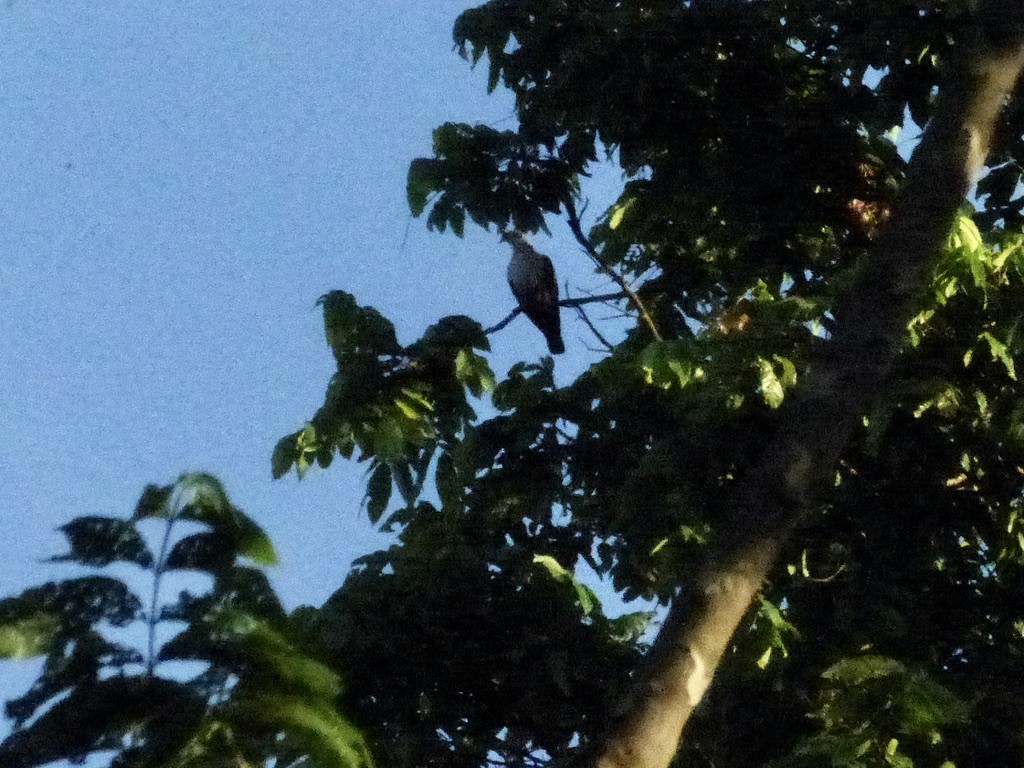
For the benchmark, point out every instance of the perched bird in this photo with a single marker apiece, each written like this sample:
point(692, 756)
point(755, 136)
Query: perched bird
point(531, 276)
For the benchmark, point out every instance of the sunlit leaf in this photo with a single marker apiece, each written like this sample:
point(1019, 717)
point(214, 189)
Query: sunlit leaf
point(473, 371)
point(331, 740)
point(1000, 352)
point(771, 386)
point(29, 635)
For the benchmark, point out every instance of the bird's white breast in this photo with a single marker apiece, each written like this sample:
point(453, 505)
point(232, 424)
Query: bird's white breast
point(524, 270)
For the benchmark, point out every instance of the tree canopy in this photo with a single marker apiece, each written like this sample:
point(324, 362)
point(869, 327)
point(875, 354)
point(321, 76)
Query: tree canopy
point(759, 143)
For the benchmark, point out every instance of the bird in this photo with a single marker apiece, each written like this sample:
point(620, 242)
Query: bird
point(531, 276)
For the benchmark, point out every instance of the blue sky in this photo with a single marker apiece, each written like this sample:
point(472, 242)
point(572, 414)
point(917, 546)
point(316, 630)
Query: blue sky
point(181, 181)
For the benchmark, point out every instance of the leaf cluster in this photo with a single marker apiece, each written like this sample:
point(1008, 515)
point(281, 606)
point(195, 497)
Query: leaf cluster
point(760, 149)
point(259, 695)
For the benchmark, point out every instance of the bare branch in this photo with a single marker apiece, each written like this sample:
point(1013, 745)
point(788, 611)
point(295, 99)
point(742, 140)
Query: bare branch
point(577, 230)
point(583, 316)
point(508, 319)
point(591, 299)
point(563, 303)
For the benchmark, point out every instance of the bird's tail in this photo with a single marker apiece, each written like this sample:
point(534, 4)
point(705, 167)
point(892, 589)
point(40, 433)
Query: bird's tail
point(555, 343)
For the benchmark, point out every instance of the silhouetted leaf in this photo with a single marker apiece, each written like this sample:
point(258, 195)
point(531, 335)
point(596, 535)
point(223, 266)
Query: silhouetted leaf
point(98, 715)
point(99, 541)
point(352, 329)
point(79, 602)
point(453, 333)
point(449, 488)
point(285, 455)
point(207, 551)
point(378, 492)
point(153, 502)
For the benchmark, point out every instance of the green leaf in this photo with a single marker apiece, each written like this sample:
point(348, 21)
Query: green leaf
point(201, 497)
point(247, 645)
point(668, 364)
point(1000, 352)
point(771, 386)
point(253, 542)
point(926, 706)
point(330, 739)
point(388, 439)
point(857, 670)
point(965, 234)
point(286, 453)
point(28, 635)
point(449, 488)
point(473, 371)
point(584, 595)
point(378, 492)
point(352, 329)
point(413, 405)
point(788, 377)
point(421, 182)
point(619, 211)
point(307, 441)
point(629, 627)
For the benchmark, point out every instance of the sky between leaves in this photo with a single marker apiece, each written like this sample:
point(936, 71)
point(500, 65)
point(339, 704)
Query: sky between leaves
point(181, 181)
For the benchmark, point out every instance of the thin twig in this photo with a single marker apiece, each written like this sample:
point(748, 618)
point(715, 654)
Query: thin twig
point(577, 230)
point(592, 298)
point(563, 303)
point(583, 316)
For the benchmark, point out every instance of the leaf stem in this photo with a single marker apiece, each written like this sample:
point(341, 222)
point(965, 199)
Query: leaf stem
point(152, 620)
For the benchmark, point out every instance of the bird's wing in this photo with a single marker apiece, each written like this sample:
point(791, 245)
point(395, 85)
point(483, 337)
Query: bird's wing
point(548, 282)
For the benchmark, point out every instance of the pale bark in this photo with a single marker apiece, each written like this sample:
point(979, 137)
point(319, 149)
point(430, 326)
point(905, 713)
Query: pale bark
point(837, 390)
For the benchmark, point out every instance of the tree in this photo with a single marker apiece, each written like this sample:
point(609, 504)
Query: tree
point(810, 440)
point(819, 389)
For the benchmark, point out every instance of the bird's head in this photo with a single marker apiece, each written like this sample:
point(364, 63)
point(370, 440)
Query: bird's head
point(512, 236)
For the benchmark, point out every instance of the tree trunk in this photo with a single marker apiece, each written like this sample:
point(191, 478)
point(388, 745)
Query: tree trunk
point(816, 425)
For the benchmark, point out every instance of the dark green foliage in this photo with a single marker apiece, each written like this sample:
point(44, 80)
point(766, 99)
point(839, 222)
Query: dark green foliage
point(162, 715)
point(514, 182)
point(99, 541)
point(492, 651)
point(397, 405)
point(758, 143)
point(260, 696)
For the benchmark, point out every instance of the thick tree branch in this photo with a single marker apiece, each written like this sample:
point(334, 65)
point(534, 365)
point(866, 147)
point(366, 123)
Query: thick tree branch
point(817, 424)
point(577, 231)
